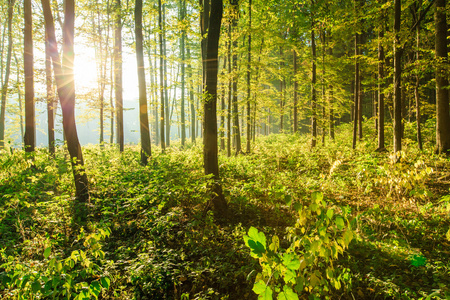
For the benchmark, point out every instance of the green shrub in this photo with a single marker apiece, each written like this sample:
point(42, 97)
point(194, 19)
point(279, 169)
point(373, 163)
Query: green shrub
point(307, 266)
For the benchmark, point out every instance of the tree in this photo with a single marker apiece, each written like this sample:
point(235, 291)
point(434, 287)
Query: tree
point(380, 92)
point(30, 127)
point(4, 91)
point(143, 111)
point(249, 61)
point(313, 92)
point(397, 80)
point(236, 128)
point(211, 20)
point(118, 73)
point(442, 101)
point(183, 70)
point(51, 107)
point(66, 92)
point(161, 75)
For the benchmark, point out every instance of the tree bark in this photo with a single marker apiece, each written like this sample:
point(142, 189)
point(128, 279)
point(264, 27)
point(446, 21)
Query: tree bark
point(161, 77)
point(66, 91)
point(8, 69)
point(356, 94)
point(442, 100)
point(313, 92)
point(51, 107)
point(183, 71)
point(249, 61)
point(380, 91)
point(143, 110)
point(30, 125)
point(118, 74)
point(210, 148)
point(397, 81)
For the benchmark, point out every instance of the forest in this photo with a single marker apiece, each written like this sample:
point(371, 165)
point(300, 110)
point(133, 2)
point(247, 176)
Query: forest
point(245, 149)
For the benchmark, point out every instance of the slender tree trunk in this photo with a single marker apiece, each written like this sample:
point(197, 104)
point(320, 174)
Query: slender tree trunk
point(210, 149)
point(118, 74)
point(416, 93)
point(223, 110)
point(236, 127)
point(30, 125)
point(442, 100)
point(66, 92)
point(331, 99)
point(143, 110)
point(313, 92)
point(7, 73)
point(19, 97)
point(183, 73)
point(324, 119)
point(166, 90)
point(380, 92)
point(50, 99)
point(294, 52)
point(356, 104)
point(397, 81)
point(281, 91)
point(161, 77)
point(229, 113)
point(249, 61)
point(191, 95)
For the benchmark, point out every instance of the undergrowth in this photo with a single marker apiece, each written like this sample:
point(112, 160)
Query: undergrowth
point(331, 222)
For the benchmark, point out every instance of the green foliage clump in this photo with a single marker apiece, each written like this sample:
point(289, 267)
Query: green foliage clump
point(77, 276)
point(308, 264)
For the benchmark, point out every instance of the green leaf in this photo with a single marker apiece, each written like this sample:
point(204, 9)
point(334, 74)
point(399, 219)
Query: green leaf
point(105, 281)
point(95, 288)
point(291, 262)
point(257, 236)
point(317, 197)
point(348, 236)
point(259, 287)
point(289, 275)
point(267, 295)
point(35, 286)
point(47, 252)
point(340, 223)
point(256, 247)
point(287, 294)
point(330, 214)
point(418, 260)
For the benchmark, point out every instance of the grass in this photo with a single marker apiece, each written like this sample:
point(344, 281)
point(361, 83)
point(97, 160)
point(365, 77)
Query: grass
point(162, 243)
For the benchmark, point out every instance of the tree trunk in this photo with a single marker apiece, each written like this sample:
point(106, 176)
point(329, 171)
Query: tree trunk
point(161, 77)
point(50, 99)
point(313, 92)
point(397, 81)
point(229, 113)
point(249, 61)
point(66, 91)
point(118, 74)
point(191, 96)
point(236, 127)
point(183, 72)
point(442, 101)
point(416, 94)
point(210, 149)
point(30, 125)
point(380, 91)
point(295, 92)
point(8, 72)
point(143, 110)
point(356, 94)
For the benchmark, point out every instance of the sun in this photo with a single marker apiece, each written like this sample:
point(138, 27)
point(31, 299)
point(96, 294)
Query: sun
point(85, 69)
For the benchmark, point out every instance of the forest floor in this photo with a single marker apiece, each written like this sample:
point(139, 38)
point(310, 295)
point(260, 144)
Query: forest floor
point(150, 236)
